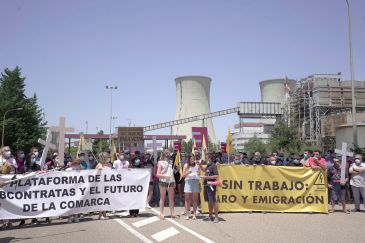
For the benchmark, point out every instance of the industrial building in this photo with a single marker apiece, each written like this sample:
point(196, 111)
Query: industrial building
point(243, 132)
point(193, 99)
point(320, 103)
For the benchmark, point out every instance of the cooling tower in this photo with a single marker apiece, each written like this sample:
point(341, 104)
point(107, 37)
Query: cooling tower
point(193, 98)
point(275, 90)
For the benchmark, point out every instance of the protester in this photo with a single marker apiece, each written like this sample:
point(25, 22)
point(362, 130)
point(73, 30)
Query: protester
point(192, 185)
point(337, 187)
point(295, 161)
point(121, 162)
point(84, 160)
point(166, 182)
point(75, 166)
point(237, 160)
point(178, 179)
point(92, 160)
point(103, 164)
point(8, 164)
point(20, 161)
point(273, 161)
point(211, 174)
point(150, 166)
point(357, 182)
point(306, 158)
point(317, 162)
point(257, 159)
point(37, 157)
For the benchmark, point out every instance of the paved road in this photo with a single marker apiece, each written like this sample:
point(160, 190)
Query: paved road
point(233, 227)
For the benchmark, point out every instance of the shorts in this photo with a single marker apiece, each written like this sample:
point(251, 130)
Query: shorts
point(209, 194)
point(338, 193)
point(177, 178)
point(192, 186)
point(166, 184)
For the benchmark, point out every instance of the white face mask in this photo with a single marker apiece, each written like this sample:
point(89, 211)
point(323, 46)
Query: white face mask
point(21, 156)
point(82, 158)
point(121, 158)
point(36, 154)
point(91, 157)
point(273, 162)
point(357, 161)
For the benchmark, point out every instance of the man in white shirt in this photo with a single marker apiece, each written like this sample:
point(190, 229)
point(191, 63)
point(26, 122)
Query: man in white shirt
point(121, 162)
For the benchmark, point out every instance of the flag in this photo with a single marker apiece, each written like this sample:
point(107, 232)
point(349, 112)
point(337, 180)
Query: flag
point(193, 148)
point(81, 143)
point(204, 148)
point(113, 152)
point(178, 163)
point(229, 141)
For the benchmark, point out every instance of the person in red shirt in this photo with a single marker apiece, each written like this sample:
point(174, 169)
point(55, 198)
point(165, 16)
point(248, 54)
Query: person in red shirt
point(317, 162)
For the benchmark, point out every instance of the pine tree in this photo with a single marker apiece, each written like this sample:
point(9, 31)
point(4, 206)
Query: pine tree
point(22, 127)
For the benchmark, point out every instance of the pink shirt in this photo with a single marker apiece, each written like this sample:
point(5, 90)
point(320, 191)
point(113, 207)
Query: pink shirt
point(322, 161)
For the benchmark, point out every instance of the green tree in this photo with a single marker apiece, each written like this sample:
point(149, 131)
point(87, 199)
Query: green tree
point(286, 139)
point(255, 145)
point(100, 145)
point(187, 146)
point(23, 127)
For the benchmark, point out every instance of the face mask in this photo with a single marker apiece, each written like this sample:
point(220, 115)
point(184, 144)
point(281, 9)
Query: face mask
point(305, 156)
point(21, 156)
point(36, 154)
point(317, 156)
point(33, 160)
point(296, 161)
point(137, 161)
point(91, 157)
point(82, 158)
point(57, 160)
point(357, 161)
point(273, 162)
point(7, 154)
point(257, 158)
point(121, 157)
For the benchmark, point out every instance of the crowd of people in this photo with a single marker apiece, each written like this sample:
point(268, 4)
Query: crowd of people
point(169, 180)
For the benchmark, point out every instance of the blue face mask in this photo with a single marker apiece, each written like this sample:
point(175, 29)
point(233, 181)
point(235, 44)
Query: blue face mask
point(137, 161)
point(33, 160)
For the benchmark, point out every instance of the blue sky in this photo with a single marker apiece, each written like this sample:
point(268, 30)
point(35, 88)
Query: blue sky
point(70, 49)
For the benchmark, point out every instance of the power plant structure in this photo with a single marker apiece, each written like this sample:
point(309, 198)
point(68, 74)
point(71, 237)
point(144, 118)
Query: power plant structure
point(193, 99)
point(320, 103)
point(277, 90)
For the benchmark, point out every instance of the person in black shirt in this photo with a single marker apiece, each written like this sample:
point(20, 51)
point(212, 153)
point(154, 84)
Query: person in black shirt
point(210, 191)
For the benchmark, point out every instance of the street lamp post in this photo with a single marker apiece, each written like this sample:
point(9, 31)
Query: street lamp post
point(111, 88)
point(6, 112)
point(354, 127)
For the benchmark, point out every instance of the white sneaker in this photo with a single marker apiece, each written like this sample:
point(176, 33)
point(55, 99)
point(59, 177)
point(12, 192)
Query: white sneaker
point(76, 220)
point(148, 206)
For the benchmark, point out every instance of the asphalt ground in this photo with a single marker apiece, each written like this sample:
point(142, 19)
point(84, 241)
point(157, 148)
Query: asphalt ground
point(232, 227)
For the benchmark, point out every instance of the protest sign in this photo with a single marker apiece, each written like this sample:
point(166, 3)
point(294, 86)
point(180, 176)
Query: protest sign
point(71, 192)
point(271, 188)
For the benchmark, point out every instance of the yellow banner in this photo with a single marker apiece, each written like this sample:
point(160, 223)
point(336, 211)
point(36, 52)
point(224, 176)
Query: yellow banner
point(271, 188)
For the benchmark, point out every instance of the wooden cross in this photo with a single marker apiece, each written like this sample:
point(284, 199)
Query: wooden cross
point(47, 145)
point(344, 154)
point(154, 147)
point(61, 129)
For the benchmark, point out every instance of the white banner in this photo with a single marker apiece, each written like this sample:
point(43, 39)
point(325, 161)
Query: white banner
point(60, 193)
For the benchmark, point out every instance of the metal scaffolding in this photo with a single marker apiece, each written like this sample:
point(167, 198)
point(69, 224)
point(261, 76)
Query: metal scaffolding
point(316, 100)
